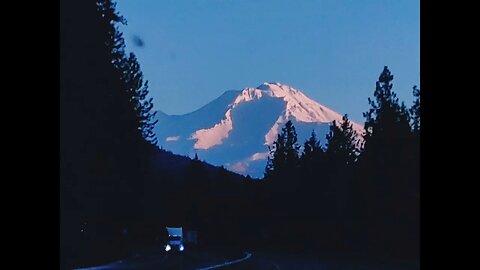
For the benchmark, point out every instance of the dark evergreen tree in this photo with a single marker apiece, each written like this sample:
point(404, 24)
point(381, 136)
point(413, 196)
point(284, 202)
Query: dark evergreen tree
point(385, 184)
point(415, 110)
point(105, 123)
point(312, 179)
point(387, 121)
point(312, 164)
point(342, 143)
point(342, 150)
point(281, 175)
point(311, 148)
point(138, 91)
point(415, 151)
point(283, 159)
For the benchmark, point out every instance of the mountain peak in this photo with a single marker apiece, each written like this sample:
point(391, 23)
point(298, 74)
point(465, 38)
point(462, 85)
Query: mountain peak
point(299, 106)
point(268, 84)
point(235, 129)
point(278, 89)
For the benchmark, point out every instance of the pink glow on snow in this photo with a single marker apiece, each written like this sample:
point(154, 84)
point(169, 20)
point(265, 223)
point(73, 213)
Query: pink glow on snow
point(210, 137)
point(259, 156)
point(298, 107)
point(172, 138)
point(238, 167)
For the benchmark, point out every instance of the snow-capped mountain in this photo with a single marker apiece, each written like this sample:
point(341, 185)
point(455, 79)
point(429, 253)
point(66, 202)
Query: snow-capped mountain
point(236, 129)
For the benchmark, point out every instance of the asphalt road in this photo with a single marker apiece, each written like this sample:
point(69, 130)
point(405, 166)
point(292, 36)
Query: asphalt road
point(189, 259)
point(227, 260)
point(281, 261)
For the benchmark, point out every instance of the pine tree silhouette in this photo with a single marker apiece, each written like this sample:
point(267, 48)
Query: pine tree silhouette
point(283, 159)
point(105, 131)
point(312, 165)
point(311, 148)
point(342, 143)
point(415, 110)
point(386, 181)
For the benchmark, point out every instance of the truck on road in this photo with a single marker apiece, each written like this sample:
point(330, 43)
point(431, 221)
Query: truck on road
point(175, 239)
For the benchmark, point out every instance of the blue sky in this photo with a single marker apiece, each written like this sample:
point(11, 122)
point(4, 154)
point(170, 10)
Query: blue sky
point(332, 50)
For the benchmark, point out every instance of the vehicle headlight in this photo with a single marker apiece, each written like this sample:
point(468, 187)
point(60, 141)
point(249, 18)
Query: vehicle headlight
point(168, 247)
point(181, 248)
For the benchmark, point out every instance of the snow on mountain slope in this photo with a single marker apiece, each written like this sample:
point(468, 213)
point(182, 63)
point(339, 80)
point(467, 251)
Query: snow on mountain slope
point(235, 129)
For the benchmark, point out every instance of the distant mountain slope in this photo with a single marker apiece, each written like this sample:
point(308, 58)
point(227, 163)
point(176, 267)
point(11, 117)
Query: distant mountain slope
point(235, 129)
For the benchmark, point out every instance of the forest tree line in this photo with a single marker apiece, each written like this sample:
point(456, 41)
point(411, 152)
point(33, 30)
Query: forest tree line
point(363, 188)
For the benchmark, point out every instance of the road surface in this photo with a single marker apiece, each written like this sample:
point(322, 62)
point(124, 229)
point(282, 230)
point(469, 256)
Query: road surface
point(189, 259)
point(202, 260)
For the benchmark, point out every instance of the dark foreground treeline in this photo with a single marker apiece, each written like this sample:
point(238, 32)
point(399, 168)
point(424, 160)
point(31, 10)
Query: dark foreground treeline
point(118, 191)
point(359, 194)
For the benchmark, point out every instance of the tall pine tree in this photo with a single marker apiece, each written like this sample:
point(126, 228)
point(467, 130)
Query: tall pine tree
point(311, 148)
point(283, 159)
point(385, 183)
point(105, 143)
point(415, 110)
point(341, 154)
point(312, 162)
point(342, 143)
point(138, 91)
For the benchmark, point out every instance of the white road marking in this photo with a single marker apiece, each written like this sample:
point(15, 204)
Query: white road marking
point(248, 255)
